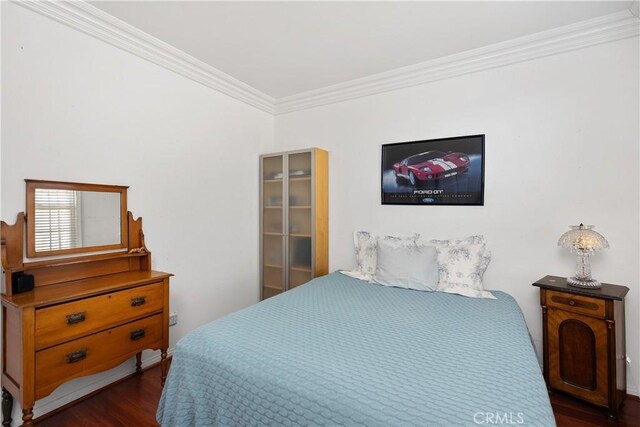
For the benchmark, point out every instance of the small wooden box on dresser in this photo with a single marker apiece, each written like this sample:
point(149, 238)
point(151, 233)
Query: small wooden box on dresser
point(86, 314)
point(584, 341)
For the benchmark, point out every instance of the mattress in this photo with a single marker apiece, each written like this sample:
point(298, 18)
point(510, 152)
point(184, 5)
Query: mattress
point(340, 351)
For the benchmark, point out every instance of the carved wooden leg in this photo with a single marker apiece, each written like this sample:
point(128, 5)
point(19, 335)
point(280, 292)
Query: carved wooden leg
point(139, 363)
point(7, 407)
point(27, 417)
point(163, 365)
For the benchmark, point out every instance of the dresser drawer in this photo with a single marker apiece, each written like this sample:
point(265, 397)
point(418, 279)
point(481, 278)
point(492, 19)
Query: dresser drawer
point(75, 319)
point(576, 303)
point(95, 353)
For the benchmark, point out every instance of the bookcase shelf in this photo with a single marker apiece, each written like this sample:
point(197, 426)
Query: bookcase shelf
point(294, 219)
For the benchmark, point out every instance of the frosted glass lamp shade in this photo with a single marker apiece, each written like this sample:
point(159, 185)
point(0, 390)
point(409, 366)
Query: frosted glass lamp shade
point(584, 242)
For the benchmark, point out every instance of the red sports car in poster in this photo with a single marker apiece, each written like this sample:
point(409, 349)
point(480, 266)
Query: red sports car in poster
point(444, 171)
point(430, 166)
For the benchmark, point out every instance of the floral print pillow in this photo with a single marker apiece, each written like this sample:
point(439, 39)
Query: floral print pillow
point(366, 246)
point(478, 239)
point(461, 268)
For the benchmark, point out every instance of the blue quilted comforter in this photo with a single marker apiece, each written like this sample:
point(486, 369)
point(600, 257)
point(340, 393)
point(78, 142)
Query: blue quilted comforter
point(339, 351)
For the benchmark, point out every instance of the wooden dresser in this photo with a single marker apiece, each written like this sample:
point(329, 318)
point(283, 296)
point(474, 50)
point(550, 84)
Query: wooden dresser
point(85, 315)
point(584, 341)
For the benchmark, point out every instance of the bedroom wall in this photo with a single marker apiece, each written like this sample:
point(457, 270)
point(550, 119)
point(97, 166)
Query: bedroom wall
point(562, 144)
point(77, 109)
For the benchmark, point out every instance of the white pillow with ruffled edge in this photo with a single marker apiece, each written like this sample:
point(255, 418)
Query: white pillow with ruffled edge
point(477, 239)
point(461, 268)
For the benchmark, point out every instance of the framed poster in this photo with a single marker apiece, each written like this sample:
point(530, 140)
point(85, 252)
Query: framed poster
point(447, 171)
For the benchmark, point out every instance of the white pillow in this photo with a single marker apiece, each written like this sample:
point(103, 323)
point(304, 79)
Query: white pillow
point(407, 264)
point(461, 268)
point(366, 248)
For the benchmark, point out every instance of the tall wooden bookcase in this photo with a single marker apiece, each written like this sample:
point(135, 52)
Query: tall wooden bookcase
point(294, 219)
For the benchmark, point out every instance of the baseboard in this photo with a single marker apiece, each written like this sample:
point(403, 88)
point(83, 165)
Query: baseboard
point(105, 379)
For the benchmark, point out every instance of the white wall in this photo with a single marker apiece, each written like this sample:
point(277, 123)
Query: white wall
point(77, 109)
point(99, 219)
point(561, 148)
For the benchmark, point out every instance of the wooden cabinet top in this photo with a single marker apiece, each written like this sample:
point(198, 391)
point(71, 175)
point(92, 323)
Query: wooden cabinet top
point(607, 291)
point(72, 290)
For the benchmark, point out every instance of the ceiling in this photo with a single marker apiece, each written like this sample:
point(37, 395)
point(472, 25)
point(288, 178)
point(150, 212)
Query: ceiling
point(286, 48)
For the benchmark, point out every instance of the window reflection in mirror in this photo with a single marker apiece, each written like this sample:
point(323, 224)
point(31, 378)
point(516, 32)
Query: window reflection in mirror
point(68, 219)
point(74, 218)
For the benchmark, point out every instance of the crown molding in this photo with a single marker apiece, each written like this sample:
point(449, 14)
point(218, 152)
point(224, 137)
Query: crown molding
point(616, 26)
point(90, 20)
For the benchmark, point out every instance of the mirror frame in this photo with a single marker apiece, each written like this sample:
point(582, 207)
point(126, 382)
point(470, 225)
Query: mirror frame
point(32, 184)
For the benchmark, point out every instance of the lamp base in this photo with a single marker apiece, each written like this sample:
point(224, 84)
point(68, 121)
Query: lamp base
point(582, 283)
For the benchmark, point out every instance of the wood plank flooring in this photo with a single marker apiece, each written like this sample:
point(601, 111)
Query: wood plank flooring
point(571, 412)
point(130, 403)
point(133, 402)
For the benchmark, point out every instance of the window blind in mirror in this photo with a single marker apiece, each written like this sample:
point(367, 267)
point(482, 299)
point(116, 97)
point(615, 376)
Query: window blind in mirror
point(56, 219)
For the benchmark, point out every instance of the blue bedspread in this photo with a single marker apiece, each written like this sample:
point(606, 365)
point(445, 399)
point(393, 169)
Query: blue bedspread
point(339, 351)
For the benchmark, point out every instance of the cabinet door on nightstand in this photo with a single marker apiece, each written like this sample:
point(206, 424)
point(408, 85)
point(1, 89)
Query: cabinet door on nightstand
point(578, 355)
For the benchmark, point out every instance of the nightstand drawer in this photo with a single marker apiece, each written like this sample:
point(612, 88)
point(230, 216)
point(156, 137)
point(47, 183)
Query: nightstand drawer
point(75, 319)
point(576, 303)
point(94, 353)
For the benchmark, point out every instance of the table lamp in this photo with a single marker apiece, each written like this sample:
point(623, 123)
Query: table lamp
point(584, 242)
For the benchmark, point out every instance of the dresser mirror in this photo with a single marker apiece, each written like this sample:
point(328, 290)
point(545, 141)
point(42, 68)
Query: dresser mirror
point(67, 218)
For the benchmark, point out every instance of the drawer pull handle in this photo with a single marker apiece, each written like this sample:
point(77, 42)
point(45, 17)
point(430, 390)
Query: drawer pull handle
point(136, 302)
point(137, 334)
point(76, 317)
point(587, 305)
point(77, 356)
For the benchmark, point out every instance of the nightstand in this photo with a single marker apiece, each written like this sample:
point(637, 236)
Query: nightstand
point(584, 341)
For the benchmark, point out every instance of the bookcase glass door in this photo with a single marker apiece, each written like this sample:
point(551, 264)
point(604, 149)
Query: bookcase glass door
point(273, 233)
point(300, 219)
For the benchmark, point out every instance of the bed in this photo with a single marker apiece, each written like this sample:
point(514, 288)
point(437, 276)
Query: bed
point(341, 351)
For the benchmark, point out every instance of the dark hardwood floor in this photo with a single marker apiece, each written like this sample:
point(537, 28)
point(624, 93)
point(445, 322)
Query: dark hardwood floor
point(133, 402)
point(571, 412)
point(130, 403)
